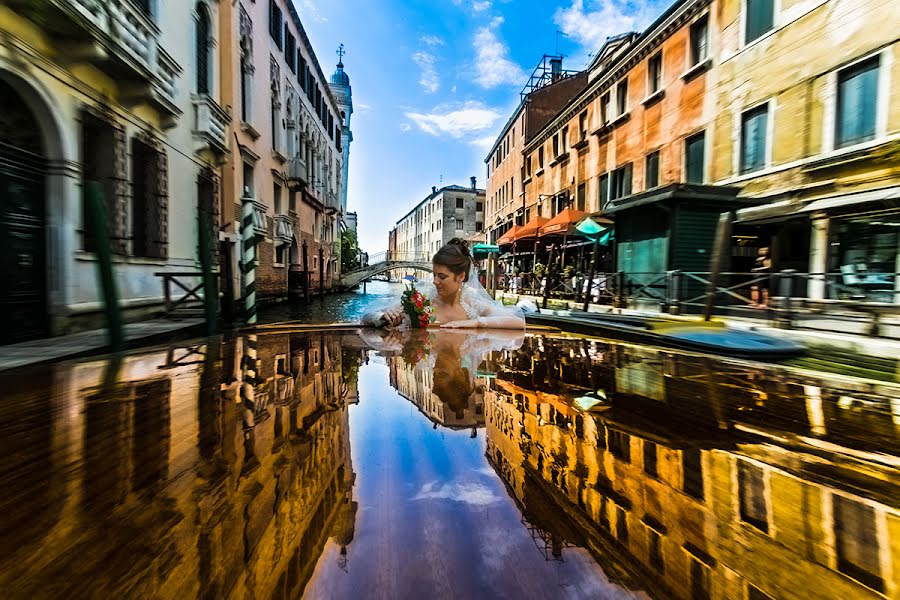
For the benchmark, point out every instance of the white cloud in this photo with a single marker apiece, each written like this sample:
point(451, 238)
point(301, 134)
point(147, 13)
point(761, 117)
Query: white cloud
point(456, 121)
point(360, 107)
point(492, 64)
point(483, 143)
point(405, 127)
point(481, 6)
point(428, 77)
point(309, 10)
point(590, 25)
point(431, 41)
point(474, 493)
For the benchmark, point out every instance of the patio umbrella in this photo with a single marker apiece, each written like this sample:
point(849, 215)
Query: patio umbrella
point(509, 237)
point(592, 228)
point(531, 228)
point(563, 223)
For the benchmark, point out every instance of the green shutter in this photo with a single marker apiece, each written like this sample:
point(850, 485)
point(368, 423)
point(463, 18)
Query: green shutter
point(760, 18)
point(694, 158)
point(857, 101)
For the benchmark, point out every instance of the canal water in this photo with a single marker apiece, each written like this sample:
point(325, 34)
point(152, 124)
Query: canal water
point(345, 307)
point(445, 465)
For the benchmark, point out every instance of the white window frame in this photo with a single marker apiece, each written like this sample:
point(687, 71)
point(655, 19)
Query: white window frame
point(688, 55)
point(737, 138)
point(742, 23)
point(651, 92)
point(830, 93)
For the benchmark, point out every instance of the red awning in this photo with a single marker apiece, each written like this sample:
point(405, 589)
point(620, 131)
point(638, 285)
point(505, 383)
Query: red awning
point(563, 223)
point(531, 228)
point(508, 237)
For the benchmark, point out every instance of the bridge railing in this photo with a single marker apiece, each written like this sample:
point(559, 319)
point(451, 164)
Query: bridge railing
point(392, 256)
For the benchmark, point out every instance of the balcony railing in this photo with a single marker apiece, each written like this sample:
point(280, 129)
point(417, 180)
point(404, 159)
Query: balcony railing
point(296, 173)
point(259, 218)
point(210, 123)
point(284, 228)
point(117, 37)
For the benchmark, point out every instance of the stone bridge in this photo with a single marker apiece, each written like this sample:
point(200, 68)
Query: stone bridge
point(353, 278)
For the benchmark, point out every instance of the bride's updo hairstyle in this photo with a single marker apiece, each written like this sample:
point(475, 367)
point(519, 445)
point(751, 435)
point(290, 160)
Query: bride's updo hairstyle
point(455, 256)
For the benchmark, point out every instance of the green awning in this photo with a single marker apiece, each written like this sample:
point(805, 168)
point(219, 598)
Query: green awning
point(590, 227)
point(482, 250)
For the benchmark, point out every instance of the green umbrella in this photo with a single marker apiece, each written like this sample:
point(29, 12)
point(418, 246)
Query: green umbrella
point(590, 227)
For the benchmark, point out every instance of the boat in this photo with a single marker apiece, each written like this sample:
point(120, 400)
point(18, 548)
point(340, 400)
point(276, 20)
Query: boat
point(711, 337)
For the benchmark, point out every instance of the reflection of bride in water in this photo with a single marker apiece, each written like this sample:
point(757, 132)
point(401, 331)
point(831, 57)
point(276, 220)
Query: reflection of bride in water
point(437, 370)
point(457, 296)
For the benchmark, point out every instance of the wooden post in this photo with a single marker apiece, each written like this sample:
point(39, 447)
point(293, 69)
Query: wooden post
point(590, 281)
point(720, 253)
point(97, 218)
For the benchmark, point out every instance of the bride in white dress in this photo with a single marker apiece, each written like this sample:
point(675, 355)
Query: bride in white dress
point(457, 297)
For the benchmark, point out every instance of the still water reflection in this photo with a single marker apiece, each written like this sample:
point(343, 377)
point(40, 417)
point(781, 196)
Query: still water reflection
point(445, 465)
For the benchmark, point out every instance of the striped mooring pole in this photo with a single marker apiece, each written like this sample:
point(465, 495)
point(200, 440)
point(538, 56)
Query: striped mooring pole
point(249, 372)
point(248, 257)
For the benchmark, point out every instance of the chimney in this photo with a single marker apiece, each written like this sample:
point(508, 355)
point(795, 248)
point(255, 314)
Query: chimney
point(473, 180)
point(434, 189)
point(555, 69)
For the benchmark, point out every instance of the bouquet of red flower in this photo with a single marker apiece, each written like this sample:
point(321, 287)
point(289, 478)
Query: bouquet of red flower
point(418, 307)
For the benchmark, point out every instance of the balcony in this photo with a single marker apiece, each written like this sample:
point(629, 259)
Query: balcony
point(297, 175)
point(119, 38)
point(284, 228)
point(259, 218)
point(210, 125)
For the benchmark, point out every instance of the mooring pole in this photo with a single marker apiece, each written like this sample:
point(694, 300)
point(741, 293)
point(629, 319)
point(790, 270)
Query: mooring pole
point(97, 216)
point(248, 262)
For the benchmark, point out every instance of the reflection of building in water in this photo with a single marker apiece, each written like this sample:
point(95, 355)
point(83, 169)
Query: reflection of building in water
point(159, 476)
point(416, 384)
point(702, 482)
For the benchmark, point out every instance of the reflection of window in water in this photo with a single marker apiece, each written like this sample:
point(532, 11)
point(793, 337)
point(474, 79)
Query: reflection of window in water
point(621, 525)
point(620, 445)
point(650, 455)
point(857, 542)
point(656, 556)
point(692, 475)
point(699, 580)
point(752, 495)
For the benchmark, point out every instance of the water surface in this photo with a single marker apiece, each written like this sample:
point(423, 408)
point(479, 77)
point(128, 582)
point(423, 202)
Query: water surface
point(445, 465)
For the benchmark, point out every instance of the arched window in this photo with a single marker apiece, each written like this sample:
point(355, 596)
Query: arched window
point(204, 49)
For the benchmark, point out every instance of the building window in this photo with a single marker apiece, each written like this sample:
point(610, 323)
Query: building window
point(246, 86)
point(275, 23)
point(580, 199)
point(280, 253)
point(621, 182)
point(564, 138)
point(856, 539)
point(857, 103)
point(247, 180)
point(694, 150)
point(292, 201)
point(652, 176)
point(541, 157)
point(700, 40)
point(654, 74)
point(622, 98)
point(479, 207)
point(655, 550)
point(754, 125)
point(459, 224)
point(555, 146)
point(752, 493)
point(290, 50)
point(479, 226)
point(528, 167)
point(650, 459)
point(604, 108)
point(149, 231)
point(692, 473)
point(460, 203)
point(760, 18)
point(582, 125)
point(204, 47)
point(276, 198)
point(603, 192)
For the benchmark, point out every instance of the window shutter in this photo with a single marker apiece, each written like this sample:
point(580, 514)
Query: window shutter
point(857, 102)
point(760, 18)
point(203, 29)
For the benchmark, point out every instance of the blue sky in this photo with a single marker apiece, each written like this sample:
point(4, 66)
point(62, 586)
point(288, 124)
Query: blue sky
point(435, 80)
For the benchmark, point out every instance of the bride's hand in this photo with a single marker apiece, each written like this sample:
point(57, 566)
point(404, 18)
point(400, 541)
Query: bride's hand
point(467, 324)
point(393, 317)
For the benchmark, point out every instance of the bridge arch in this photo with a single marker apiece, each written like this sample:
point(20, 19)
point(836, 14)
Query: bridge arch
point(354, 278)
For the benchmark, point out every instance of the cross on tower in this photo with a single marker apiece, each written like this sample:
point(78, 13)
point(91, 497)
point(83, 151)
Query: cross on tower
point(341, 52)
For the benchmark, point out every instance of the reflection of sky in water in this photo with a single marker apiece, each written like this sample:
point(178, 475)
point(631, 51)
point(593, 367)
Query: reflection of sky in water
point(435, 520)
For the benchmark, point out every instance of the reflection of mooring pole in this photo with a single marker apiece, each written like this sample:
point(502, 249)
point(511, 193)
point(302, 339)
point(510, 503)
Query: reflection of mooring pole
point(248, 262)
point(97, 216)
